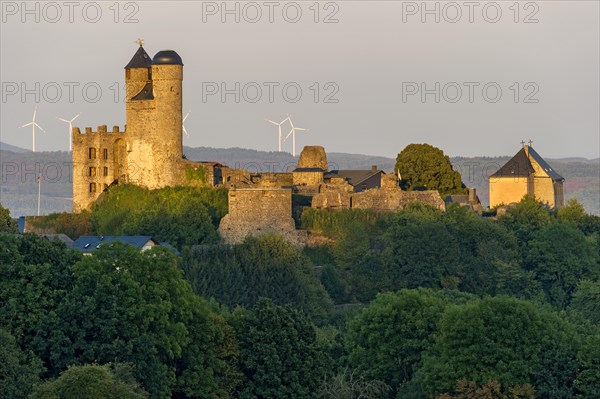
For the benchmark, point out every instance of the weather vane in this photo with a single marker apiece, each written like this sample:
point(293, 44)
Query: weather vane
point(140, 42)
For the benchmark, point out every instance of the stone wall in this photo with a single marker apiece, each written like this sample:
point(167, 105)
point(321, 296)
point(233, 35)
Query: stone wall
point(99, 158)
point(307, 177)
point(332, 199)
point(395, 199)
point(257, 211)
point(313, 156)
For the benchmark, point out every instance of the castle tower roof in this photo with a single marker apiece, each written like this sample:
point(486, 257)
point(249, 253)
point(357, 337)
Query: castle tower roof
point(167, 57)
point(140, 59)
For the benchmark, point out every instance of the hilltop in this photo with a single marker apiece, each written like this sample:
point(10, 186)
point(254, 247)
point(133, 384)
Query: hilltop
point(18, 190)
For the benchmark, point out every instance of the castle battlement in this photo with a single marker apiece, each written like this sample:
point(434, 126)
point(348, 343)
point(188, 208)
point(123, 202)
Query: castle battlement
point(100, 129)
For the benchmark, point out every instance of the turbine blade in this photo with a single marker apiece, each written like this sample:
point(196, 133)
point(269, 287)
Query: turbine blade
point(64, 120)
point(273, 122)
point(39, 127)
point(29, 124)
point(34, 112)
point(186, 132)
point(75, 117)
point(289, 134)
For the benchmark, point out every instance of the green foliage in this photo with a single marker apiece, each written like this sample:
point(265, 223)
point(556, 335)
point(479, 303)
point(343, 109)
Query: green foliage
point(587, 383)
point(491, 389)
point(144, 313)
point(586, 300)
point(351, 385)
point(196, 175)
point(387, 339)
point(19, 370)
point(181, 216)
point(560, 256)
point(91, 382)
point(7, 224)
point(35, 275)
point(265, 266)
point(424, 167)
point(503, 339)
point(73, 225)
point(336, 224)
point(525, 218)
point(278, 353)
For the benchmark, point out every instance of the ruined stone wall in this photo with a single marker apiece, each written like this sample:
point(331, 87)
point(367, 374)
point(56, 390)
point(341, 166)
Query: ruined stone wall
point(307, 178)
point(331, 199)
point(99, 158)
point(394, 199)
point(257, 211)
point(313, 156)
point(272, 179)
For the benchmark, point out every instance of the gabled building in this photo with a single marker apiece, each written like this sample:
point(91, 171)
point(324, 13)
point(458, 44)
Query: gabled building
point(527, 173)
point(87, 244)
point(361, 180)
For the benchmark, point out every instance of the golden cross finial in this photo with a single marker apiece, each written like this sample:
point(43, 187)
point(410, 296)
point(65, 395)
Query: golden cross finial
point(140, 42)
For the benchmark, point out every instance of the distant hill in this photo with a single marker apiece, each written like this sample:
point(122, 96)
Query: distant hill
point(12, 148)
point(18, 187)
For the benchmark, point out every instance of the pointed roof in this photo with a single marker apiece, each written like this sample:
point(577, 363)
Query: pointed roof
point(544, 165)
point(520, 165)
point(140, 59)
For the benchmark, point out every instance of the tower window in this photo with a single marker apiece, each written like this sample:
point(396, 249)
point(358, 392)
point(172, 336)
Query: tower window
point(105, 153)
point(92, 153)
point(92, 187)
point(106, 171)
point(92, 171)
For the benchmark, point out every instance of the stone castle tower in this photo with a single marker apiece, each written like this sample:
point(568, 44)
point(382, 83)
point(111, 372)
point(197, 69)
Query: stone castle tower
point(149, 152)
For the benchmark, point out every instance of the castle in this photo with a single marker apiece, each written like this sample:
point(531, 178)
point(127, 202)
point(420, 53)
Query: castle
point(148, 152)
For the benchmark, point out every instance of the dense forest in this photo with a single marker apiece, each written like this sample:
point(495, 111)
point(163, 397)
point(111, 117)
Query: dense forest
point(415, 304)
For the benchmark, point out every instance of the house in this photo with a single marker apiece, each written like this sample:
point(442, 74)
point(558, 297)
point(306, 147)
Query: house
point(527, 173)
point(361, 180)
point(87, 244)
point(470, 200)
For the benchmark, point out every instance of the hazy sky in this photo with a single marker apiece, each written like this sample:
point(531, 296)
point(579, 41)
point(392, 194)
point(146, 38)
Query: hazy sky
point(361, 74)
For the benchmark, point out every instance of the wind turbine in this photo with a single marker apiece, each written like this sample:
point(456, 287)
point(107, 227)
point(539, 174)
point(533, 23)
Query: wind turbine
point(293, 134)
point(183, 126)
point(70, 122)
point(279, 128)
point(33, 126)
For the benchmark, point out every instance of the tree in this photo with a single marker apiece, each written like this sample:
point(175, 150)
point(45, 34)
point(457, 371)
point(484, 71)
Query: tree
point(587, 383)
point(19, 370)
point(560, 256)
point(144, 313)
point(387, 340)
point(90, 381)
point(265, 266)
point(525, 218)
point(278, 353)
point(7, 224)
point(424, 167)
point(490, 390)
point(503, 339)
point(35, 275)
point(586, 300)
point(351, 385)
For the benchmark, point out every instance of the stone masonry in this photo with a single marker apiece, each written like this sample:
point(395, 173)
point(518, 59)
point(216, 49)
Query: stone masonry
point(255, 211)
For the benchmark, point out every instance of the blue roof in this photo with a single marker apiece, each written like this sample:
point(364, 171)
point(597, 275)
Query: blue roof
point(89, 243)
